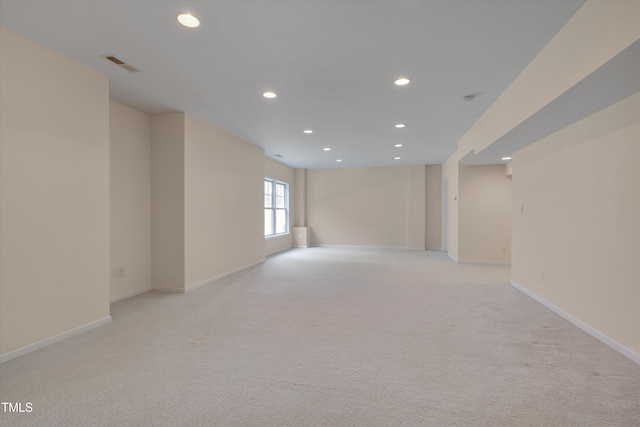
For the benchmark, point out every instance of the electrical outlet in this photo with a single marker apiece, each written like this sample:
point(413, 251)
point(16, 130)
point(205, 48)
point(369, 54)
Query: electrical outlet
point(116, 273)
point(121, 272)
point(541, 275)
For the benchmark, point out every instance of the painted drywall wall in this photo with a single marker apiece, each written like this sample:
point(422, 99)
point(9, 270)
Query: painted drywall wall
point(450, 170)
point(576, 220)
point(206, 200)
point(167, 201)
point(485, 214)
point(433, 208)
point(416, 206)
point(593, 263)
point(300, 198)
point(594, 35)
point(130, 200)
point(223, 203)
point(284, 173)
point(366, 206)
point(597, 32)
point(54, 198)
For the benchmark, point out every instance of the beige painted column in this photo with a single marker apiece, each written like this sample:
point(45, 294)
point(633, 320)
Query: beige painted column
point(300, 179)
point(433, 209)
point(416, 207)
point(167, 202)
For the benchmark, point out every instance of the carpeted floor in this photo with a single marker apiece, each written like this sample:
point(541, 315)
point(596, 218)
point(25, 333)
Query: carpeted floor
point(331, 337)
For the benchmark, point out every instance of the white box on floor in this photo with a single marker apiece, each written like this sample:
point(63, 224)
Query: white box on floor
point(301, 237)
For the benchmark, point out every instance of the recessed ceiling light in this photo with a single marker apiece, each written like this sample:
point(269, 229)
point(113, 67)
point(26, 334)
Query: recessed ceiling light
point(402, 81)
point(398, 145)
point(506, 158)
point(307, 131)
point(327, 149)
point(400, 125)
point(339, 160)
point(396, 158)
point(269, 95)
point(188, 20)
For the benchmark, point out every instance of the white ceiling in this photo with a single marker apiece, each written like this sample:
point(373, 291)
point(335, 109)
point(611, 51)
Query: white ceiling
point(332, 64)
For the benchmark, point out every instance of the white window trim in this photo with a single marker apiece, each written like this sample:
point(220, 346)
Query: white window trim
point(273, 203)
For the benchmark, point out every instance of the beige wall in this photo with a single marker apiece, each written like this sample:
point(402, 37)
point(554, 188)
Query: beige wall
point(416, 206)
point(206, 201)
point(223, 203)
point(433, 209)
point(167, 201)
point(577, 226)
point(367, 206)
point(300, 198)
point(54, 181)
point(580, 224)
point(450, 171)
point(485, 214)
point(478, 211)
point(281, 172)
point(130, 201)
point(597, 32)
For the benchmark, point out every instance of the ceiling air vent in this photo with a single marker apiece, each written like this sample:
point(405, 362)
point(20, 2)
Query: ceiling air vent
point(121, 63)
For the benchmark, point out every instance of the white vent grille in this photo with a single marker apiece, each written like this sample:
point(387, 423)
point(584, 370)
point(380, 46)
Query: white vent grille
point(121, 63)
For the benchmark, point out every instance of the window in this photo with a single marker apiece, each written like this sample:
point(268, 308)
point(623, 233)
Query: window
point(276, 207)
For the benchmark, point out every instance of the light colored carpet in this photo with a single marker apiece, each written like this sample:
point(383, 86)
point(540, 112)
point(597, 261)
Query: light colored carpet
point(331, 337)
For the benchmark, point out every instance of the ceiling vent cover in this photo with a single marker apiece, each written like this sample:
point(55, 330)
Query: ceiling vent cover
point(121, 63)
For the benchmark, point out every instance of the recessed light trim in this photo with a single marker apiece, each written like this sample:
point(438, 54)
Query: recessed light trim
point(400, 125)
point(398, 145)
point(402, 81)
point(506, 158)
point(188, 20)
point(269, 95)
point(307, 131)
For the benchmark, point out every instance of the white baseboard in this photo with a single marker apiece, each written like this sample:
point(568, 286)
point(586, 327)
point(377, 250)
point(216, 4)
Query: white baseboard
point(452, 257)
point(361, 247)
point(484, 262)
point(277, 251)
point(221, 276)
point(9, 355)
point(588, 329)
point(170, 290)
point(129, 294)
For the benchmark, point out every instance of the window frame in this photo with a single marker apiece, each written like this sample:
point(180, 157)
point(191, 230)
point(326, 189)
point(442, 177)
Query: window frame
point(274, 182)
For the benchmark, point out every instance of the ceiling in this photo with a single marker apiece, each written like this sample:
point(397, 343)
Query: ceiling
point(331, 63)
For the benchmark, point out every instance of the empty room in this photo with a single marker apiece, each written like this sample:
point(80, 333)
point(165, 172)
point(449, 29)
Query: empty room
point(320, 213)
